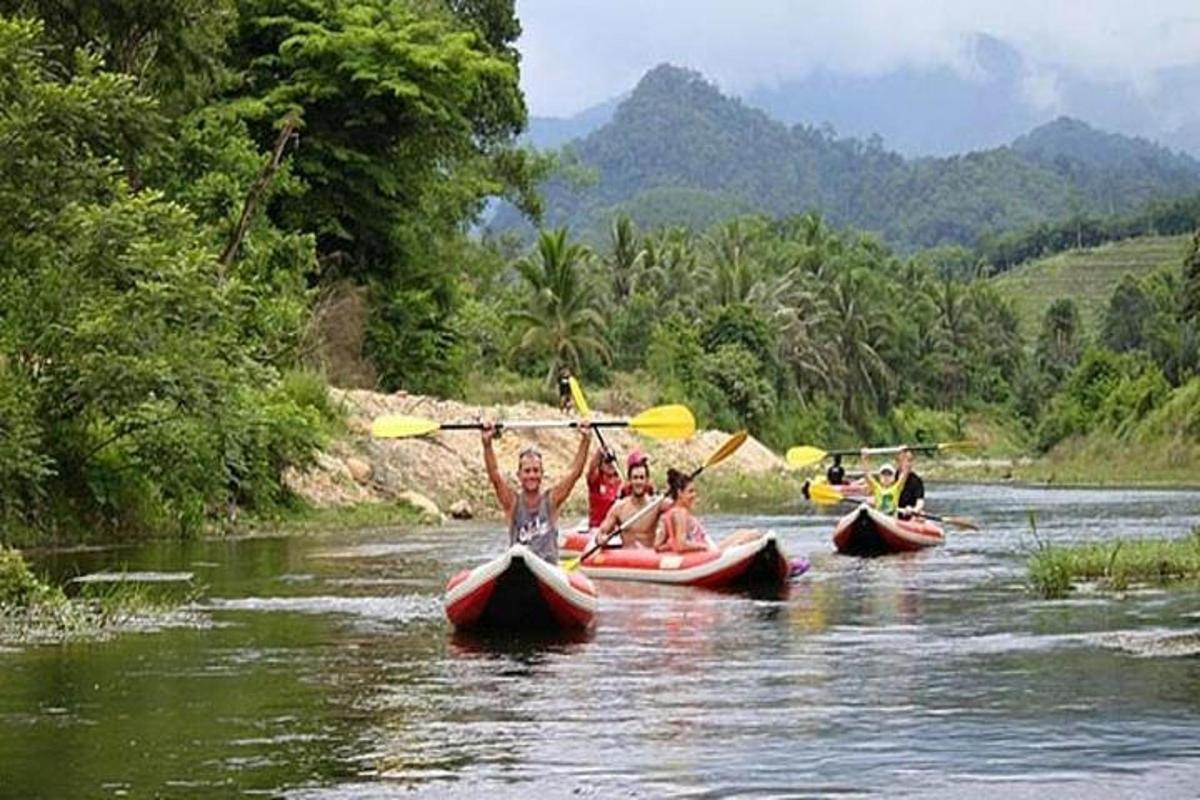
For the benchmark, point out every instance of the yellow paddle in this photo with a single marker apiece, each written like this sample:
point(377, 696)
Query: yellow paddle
point(581, 405)
point(720, 454)
point(807, 455)
point(660, 422)
point(824, 494)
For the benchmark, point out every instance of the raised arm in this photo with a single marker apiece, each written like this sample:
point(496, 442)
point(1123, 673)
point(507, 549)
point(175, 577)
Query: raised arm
point(504, 492)
point(562, 489)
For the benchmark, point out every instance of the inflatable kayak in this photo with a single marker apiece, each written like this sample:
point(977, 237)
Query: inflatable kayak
point(759, 564)
point(867, 532)
point(519, 591)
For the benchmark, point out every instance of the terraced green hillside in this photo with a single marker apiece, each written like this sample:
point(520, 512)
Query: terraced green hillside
point(1087, 276)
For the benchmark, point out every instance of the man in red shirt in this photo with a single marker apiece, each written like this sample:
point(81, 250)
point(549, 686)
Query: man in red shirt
point(604, 483)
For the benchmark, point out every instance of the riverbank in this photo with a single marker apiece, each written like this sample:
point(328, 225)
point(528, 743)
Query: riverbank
point(442, 475)
point(359, 480)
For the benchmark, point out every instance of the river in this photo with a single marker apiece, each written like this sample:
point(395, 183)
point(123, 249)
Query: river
point(326, 670)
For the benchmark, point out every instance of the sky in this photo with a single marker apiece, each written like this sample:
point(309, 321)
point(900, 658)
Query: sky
point(577, 53)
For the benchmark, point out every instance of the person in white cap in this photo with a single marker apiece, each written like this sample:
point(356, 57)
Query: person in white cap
point(886, 489)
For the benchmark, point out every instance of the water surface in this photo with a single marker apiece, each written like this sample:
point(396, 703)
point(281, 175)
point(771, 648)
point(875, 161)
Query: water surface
point(330, 672)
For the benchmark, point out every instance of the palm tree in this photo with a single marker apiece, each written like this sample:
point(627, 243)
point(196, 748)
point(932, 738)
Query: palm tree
point(627, 260)
point(861, 333)
point(560, 315)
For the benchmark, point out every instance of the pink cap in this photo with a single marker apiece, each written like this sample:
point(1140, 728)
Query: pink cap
point(634, 458)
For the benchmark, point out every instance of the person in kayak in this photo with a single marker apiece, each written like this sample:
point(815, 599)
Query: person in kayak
point(681, 531)
point(604, 484)
point(912, 496)
point(533, 513)
point(836, 474)
point(641, 533)
point(636, 458)
point(885, 490)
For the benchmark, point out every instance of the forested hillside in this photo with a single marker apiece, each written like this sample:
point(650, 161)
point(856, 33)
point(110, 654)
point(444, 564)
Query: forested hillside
point(677, 132)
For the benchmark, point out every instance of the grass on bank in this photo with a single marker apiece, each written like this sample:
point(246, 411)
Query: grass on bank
point(35, 611)
point(1115, 566)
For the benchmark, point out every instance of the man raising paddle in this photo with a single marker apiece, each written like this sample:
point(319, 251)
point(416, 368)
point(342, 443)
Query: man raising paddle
point(533, 513)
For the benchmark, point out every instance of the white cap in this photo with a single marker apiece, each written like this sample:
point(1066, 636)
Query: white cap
point(887, 468)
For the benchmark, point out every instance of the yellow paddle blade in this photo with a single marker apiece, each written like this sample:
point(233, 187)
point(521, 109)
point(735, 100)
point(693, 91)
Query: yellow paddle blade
point(395, 426)
point(965, 444)
point(578, 399)
point(804, 456)
point(726, 450)
point(665, 422)
point(569, 564)
point(824, 494)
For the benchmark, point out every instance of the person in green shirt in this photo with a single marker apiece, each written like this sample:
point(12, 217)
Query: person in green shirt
point(886, 489)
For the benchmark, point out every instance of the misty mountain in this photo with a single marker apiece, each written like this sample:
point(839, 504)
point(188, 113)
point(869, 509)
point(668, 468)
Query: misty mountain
point(548, 132)
point(678, 140)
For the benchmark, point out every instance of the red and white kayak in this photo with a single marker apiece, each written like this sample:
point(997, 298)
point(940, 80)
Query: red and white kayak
point(520, 591)
point(758, 564)
point(867, 532)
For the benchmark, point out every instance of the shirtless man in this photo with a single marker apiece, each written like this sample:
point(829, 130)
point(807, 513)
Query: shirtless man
point(641, 533)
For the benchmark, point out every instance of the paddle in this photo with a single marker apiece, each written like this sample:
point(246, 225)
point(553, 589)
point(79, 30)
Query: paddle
point(824, 494)
point(660, 422)
point(720, 454)
point(807, 455)
point(581, 406)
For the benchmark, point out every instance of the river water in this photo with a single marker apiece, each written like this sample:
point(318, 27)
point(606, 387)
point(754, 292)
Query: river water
point(327, 671)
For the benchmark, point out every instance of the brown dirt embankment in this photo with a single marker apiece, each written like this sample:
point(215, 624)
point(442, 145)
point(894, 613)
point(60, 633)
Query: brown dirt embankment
point(447, 467)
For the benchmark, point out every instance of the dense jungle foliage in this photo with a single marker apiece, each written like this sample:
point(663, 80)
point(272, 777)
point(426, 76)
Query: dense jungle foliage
point(183, 183)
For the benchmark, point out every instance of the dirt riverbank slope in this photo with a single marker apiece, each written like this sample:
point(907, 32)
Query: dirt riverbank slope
point(447, 468)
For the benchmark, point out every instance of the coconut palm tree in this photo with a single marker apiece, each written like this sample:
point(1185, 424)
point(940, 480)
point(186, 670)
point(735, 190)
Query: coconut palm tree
point(560, 318)
point(627, 260)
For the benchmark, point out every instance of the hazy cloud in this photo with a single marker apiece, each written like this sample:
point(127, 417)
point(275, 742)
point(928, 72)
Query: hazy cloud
point(579, 52)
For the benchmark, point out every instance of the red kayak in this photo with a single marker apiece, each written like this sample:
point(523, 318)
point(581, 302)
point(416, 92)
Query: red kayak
point(867, 532)
point(759, 564)
point(519, 591)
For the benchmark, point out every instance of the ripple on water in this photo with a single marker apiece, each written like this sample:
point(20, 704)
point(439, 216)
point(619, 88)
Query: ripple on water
point(398, 608)
point(1159, 643)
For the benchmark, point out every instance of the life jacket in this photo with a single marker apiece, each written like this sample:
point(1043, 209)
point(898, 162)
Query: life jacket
point(887, 500)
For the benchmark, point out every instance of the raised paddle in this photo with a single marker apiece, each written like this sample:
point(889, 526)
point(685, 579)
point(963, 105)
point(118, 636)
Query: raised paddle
point(824, 494)
point(581, 405)
point(720, 454)
point(660, 422)
point(807, 455)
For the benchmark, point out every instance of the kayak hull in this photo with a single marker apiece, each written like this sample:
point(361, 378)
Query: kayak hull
point(759, 564)
point(520, 591)
point(867, 532)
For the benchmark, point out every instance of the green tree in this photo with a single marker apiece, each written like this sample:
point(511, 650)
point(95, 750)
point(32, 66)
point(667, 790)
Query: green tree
point(1128, 311)
point(1058, 344)
point(560, 321)
point(1190, 306)
point(137, 385)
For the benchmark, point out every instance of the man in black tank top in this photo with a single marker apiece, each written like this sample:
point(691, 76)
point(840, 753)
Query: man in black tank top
point(912, 496)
